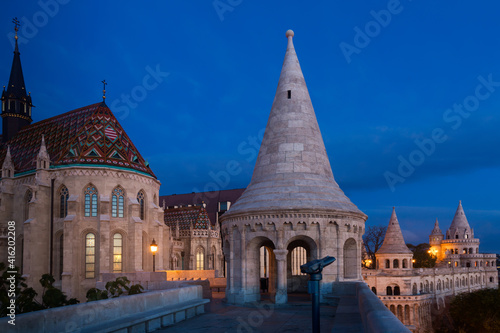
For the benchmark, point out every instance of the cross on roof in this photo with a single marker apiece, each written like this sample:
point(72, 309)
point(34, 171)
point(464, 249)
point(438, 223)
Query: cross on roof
point(16, 25)
point(104, 90)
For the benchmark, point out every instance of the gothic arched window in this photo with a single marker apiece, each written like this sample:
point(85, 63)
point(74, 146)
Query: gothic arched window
point(90, 200)
point(89, 256)
point(117, 202)
point(200, 259)
point(63, 201)
point(117, 253)
point(141, 199)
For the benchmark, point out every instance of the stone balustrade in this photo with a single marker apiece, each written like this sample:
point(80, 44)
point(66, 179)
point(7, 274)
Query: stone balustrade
point(135, 313)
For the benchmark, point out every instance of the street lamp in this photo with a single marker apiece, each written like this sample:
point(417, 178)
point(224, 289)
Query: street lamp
point(154, 248)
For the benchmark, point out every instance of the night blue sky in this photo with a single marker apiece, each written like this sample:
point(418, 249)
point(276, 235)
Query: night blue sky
point(375, 93)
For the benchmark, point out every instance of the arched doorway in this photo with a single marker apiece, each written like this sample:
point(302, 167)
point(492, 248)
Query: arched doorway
point(261, 269)
point(350, 259)
point(301, 249)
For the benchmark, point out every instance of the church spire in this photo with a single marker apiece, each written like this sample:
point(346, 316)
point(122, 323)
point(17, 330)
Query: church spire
point(16, 103)
point(394, 241)
point(292, 169)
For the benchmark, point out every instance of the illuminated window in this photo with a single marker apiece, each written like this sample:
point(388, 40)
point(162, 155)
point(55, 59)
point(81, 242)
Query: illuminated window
point(200, 259)
point(298, 259)
point(90, 256)
point(90, 201)
point(264, 262)
point(63, 202)
point(117, 253)
point(117, 200)
point(140, 198)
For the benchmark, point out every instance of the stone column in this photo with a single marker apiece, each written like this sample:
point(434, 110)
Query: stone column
point(281, 292)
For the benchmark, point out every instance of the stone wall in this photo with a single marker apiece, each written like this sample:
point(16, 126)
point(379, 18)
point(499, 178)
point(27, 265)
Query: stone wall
point(74, 318)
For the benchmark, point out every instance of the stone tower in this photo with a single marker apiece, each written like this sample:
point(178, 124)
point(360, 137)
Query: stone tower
point(293, 210)
point(394, 254)
point(16, 103)
point(435, 239)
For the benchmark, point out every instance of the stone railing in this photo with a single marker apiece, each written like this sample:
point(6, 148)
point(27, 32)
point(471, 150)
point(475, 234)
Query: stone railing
point(135, 313)
point(360, 307)
point(376, 317)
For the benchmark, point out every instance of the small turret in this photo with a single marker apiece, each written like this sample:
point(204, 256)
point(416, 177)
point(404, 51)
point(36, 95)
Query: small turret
point(460, 228)
point(43, 158)
point(436, 235)
point(394, 254)
point(8, 166)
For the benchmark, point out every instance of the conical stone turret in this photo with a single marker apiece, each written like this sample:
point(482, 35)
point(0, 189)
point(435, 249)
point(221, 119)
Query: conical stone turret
point(291, 202)
point(292, 169)
point(460, 228)
point(394, 241)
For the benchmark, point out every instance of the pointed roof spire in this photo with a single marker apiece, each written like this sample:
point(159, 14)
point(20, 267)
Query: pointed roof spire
point(459, 220)
point(292, 169)
point(394, 241)
point(16, 86)
point(7, 162)
point(43, 156)
point(436, 231)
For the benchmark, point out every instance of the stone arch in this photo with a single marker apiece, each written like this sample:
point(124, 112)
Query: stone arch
point(350, 259)
point(414, 289)
point(253, 264)
point(397, 290)
point(395, 263)
point(296, 246)
point(405, 263)
point(374, 290)
point(400, 313)
point(407, 315)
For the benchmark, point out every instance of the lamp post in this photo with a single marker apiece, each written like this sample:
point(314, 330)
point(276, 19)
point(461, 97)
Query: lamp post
point(154, 248)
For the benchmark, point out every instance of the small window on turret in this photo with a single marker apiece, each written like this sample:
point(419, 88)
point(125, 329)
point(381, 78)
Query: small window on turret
point(466, 236)
point(289, 94)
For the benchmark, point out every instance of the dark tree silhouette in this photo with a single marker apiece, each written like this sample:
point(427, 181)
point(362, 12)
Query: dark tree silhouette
point(373, 239)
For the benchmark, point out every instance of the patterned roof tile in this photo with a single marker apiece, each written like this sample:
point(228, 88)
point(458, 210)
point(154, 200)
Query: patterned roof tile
point(88, 135)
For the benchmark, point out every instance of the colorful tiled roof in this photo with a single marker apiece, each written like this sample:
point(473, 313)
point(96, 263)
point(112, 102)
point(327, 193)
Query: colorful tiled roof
point(196, 216)
point(211, 200)
point(89, 135)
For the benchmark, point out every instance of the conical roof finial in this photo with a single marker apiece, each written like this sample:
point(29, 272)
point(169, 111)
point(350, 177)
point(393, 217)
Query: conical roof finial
point(293, 169)
point(436, 230)
point(394, 241)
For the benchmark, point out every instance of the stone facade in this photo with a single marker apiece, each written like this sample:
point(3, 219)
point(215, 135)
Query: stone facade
point(27, 201)
point(195, 242)
point(412, 294)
